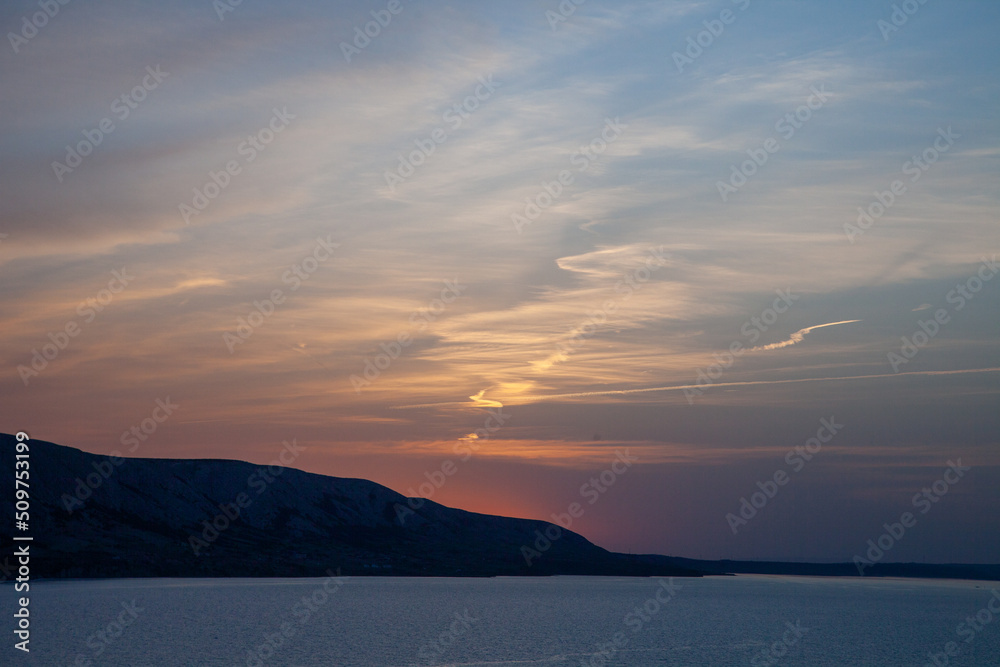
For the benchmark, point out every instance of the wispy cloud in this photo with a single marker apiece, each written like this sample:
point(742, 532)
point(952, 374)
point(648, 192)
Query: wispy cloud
point(796, 337)
point(646, 390)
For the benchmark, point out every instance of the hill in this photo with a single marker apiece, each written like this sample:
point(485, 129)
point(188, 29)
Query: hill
point(102, 516)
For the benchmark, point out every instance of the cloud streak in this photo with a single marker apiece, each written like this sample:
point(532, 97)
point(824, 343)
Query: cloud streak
point(796, 337)
point(752, 383)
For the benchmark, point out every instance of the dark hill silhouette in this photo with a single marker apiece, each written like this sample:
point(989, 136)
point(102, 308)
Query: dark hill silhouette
point(98, 516)
point(140, 517)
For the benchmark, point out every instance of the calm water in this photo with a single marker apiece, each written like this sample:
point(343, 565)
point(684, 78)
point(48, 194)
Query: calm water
point(505, 621)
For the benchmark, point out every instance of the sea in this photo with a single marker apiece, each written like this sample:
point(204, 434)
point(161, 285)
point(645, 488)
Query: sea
point(591, 621)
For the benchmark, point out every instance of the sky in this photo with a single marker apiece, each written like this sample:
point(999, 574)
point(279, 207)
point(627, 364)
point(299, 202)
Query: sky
point(733, 243)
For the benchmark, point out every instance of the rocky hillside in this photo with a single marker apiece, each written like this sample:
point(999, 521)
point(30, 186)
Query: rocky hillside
point(99, 516)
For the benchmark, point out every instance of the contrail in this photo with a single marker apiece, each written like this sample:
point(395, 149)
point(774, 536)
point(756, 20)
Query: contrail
point(796, 337)
point(621, 392)
point(757, 382)
point(457, 404)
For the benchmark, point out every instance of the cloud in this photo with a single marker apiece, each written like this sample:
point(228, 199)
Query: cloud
point(480, 402)
point(796, 337)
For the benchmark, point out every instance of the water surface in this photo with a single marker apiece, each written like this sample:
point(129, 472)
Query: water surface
point(746, 620)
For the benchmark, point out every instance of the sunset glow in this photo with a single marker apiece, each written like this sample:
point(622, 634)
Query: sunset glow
point(522, 248)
